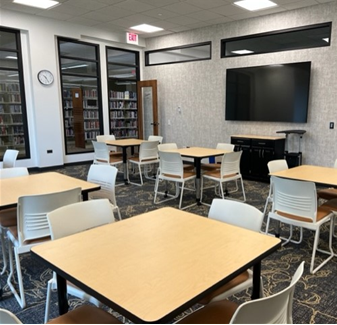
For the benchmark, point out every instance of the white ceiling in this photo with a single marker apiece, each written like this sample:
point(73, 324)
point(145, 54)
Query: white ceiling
point(172, 15)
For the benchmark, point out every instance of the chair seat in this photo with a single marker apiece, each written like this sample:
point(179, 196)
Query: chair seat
point(322, 211)
point(136, 159)
point(216, 174)
point(210, 167)
point(327, 194)
point(187, 174)
point(219, 312)
point(229, 285)
point(8, 217)
point(86, 314)
point(13, 232)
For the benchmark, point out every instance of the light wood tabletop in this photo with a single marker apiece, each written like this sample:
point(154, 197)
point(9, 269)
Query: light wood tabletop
point(42, 183)
point(152, 267)
point(316, 174)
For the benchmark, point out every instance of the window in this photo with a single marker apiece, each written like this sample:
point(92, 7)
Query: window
point(283, 40)
point(81, 94)
point(123, 74)
point(13, 118)
point(187, 53)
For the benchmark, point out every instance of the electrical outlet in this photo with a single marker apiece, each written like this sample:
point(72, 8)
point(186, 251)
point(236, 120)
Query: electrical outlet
point(331, 125)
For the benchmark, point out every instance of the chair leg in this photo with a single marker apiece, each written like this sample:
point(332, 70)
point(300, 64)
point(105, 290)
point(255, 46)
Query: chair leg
point(4, 253)
point(19, 297)
point(49, 290)
point(315, 248)
point(181, 194)
point(243, 190)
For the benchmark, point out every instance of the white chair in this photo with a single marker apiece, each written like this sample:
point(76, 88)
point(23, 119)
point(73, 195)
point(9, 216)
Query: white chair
point(9, 158)
point(148, 155)
point(33, 229)
point(273, 167)
point(105, 176)
point(328, 193)
point(72, 219)
point(295, 203)
point(171, 169)
point(8, 216)
point(229, 171)
point(205, 165)
point(102, 155)
point(7, 317)
point(113, 149)
point(85, 314)
point(274, 309)
point(173, 146)
point(158, 138)
point(245, 216)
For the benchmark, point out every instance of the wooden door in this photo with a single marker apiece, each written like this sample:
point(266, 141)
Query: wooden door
point(147, 108)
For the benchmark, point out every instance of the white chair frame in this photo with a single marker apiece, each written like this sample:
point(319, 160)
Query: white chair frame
point(295, 204)
point(71, 219)
point(9, 158)
point(33, 229)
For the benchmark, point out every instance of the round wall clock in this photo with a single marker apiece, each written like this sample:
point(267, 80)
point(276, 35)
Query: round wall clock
point(45, 77)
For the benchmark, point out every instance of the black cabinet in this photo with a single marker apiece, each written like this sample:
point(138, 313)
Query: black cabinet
point(257, 152)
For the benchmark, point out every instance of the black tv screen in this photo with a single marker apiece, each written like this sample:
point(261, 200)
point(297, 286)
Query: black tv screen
point(273, 93)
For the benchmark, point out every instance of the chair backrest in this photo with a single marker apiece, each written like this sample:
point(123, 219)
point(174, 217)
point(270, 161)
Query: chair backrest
point(295, 197)
point(105, 176)
point(7, 317)
point(225, 146)
point(9, 158)
point(167, 146)
point(158, 138)
point(230, 163)
point(107, 137)
point(274, 309)
point(148, 150)
point(236, 213)
point(32, 212)
point(101, 153)
point(80, 216)
point(171, 163)
point(277, 165)
point(13, 172)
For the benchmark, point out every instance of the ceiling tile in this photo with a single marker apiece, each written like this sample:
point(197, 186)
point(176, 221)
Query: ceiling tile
point(182, 8)
point(134, 6)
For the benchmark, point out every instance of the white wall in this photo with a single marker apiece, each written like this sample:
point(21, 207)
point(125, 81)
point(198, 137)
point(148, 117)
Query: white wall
point(44, 103)
point(199, 87)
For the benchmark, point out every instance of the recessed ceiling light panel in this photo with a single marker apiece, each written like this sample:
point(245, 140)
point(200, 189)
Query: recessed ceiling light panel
point(253, 5)
point(42, 4)
point(146, 28)
point(242, 51)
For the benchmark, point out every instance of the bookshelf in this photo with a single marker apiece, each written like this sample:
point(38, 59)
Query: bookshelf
point(81, 115)
point(12, 133)
point(123, 111)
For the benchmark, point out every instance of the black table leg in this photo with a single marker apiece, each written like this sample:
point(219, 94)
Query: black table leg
point(256, 280)
point(62, 294)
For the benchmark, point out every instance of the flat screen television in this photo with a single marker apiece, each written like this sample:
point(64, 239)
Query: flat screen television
point(273, 93)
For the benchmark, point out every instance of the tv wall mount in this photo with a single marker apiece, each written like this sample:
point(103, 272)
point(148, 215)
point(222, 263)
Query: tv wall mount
point(293, 158)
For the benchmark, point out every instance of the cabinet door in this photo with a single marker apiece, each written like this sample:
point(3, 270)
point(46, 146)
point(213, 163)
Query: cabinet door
point(260, 159)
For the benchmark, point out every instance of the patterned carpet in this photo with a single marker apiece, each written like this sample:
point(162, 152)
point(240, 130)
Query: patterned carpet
point(315, 298)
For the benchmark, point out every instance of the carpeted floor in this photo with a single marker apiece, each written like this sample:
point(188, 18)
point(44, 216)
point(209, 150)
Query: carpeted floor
point(315, 298)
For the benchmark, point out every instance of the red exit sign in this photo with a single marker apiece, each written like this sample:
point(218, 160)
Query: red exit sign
point(131, 38)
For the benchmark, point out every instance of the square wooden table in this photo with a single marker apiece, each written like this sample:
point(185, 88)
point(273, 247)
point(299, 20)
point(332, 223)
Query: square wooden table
point(125, 144)
point(154, 266)
point(42, 183)
point(317, 174)
point(198, 153)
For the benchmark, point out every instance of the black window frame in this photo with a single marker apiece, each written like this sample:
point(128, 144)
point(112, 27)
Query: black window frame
point(20, 71)
point(225, 41)
point(148, 53)
point(99, 86)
